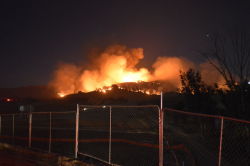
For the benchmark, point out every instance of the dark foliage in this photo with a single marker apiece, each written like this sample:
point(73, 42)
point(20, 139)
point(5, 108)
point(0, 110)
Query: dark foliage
point(229, 54)
point(199, 97)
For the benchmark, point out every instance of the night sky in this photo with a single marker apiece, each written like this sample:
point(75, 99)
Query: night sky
point(36, 36)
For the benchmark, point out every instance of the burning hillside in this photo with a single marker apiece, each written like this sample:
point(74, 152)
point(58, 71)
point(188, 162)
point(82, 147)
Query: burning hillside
point(117, 65)
point(150, 88)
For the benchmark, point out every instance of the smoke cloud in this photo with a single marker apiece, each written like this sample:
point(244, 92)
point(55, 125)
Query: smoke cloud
point(168, 69)
point(118, 64)
point(211, 76)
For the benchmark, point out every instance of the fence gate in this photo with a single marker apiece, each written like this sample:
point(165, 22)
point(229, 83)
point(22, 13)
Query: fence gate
point(122, 135)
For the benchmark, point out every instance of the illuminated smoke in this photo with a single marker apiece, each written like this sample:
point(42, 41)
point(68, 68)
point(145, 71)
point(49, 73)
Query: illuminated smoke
point(66, 79)
point(118, 64)
point(210, 75)
point(168, 69)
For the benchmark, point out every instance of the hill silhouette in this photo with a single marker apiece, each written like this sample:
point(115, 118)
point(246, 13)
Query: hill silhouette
point(37, 92)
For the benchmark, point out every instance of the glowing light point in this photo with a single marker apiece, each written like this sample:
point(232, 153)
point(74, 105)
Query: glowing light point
point(61, 95)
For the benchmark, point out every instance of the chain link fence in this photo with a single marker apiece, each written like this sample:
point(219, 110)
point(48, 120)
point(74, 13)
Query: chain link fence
point(135, 135)
point(120, 135)
point(21, 129)
point(45, 131)
point(200, 139)
point(7, 133)
point(132, 135)
point(40, 129)
point(236, 143)
point(63, 132)
point(94, 132)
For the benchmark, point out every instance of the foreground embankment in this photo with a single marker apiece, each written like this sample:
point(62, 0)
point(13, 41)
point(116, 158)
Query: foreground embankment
point(11, 156)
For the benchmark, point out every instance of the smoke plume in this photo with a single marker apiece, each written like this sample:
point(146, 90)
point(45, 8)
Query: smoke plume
point(118, 64)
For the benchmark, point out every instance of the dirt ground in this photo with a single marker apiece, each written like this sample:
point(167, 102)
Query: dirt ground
point(8, 158)
point(16, 156)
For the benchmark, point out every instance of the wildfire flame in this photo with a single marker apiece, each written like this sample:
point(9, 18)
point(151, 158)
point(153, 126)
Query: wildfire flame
point(61, 94)
point(117, 64)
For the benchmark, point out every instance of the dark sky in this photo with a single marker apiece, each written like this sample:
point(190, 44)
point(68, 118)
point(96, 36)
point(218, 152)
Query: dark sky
point(36, 35)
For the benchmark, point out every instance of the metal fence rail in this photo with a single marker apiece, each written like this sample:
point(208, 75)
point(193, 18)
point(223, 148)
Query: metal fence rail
point(122, 135)
point(207, 139)
point(132, 135)
point(236, 143)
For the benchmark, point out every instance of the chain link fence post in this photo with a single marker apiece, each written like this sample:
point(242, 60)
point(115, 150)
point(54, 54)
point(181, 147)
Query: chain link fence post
point(30, 129)
point(161, 114)
point(160, 137)
point(110, 132)
point(221, 140)
point(77, 130)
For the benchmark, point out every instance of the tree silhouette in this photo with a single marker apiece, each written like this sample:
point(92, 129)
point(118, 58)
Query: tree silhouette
point(192, 83)
point(198, 96)
point(230, 56)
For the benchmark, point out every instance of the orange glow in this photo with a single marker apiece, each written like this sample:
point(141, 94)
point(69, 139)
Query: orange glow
point(117, 64)
point(135, 76)
point(61, 94)
point(104, 90)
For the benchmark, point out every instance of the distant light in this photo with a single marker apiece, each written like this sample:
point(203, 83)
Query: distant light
point(104, 106)
point(248, 82)
point(84, 109)
point(21, 108)
point(8, 100)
